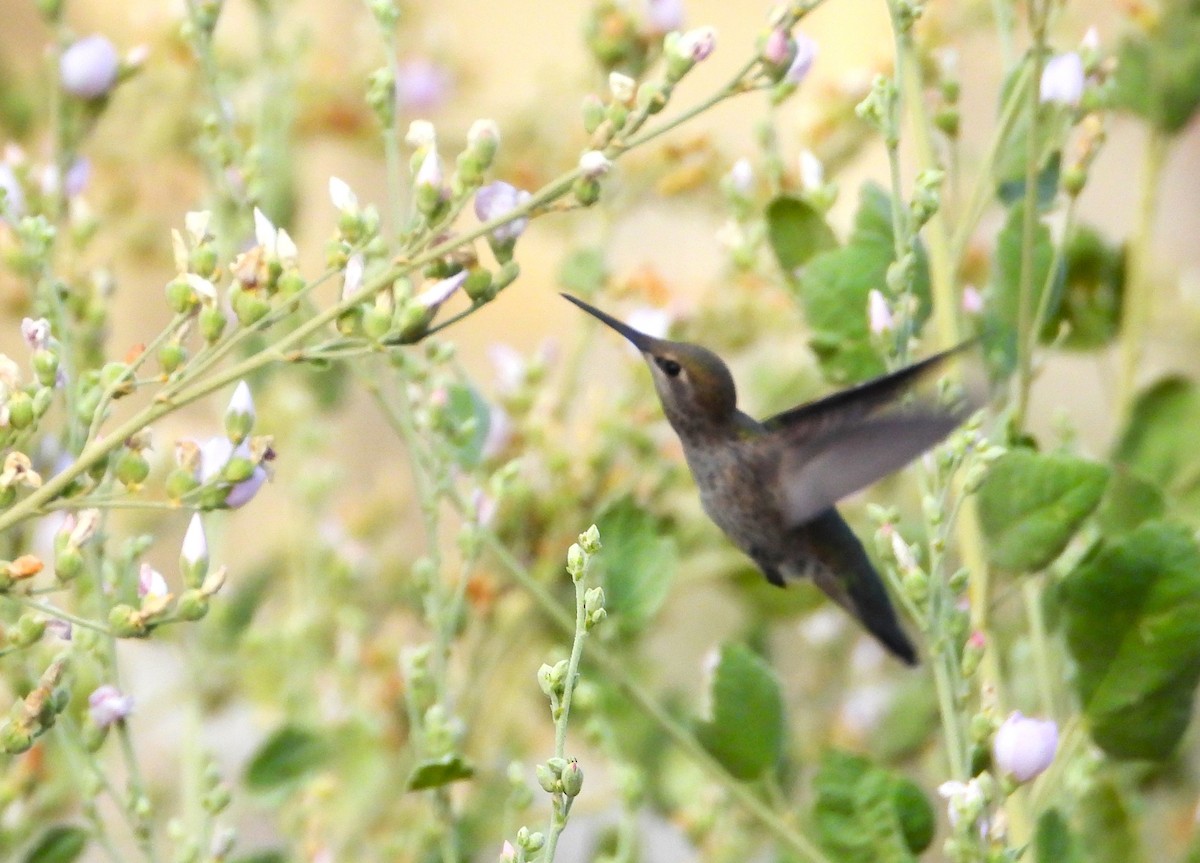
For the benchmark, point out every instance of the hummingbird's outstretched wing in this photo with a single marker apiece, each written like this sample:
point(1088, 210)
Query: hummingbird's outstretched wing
point(844, 442)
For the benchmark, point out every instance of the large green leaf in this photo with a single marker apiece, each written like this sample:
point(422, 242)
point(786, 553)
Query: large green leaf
point(61, 843)
point(865, 814)
point(1128, 501)
point(1158, 72)
point(1053, 841)
point(834, 286)
point(1030, 505)
point(746, 729)
point(289, 754)
point(637, 566)
point(1133, 626)
point(797, 231)
point(1094, 283)
point(1159, 443)
point(1004, 306)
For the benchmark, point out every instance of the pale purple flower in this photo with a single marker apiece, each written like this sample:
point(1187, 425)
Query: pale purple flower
point(88, 68)
point(496, 199)
point(429, 175)
point(965, 800)
point(697, 45)
point(663, 16)
point(77, 177)
point(879, 315)
point(972, 300)
point(1062, 80)
point(812, 172)
point(241, 403)
point(1024, 747)
point(14, 196)
point(499, 432)
point(352, 276)
point(509, 366)
point(652, 321)
point(484, 506)
point(439, 292)
point(775, 51)
point(36, 332)
point(806, 53)
point(151, 583)
point(215, 453)
point(421, 85)
point(741, 176)
point(107, 705)
point(343, 197)
point(508, 854)
point(195, 545)
point(60, 629)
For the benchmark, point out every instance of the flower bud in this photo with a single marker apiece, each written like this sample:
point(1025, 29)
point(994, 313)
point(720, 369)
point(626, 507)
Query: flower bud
point(193, 556)
point(572, 779)
point(239, 416)
point(576, 560)
point(212, 323)
point(1062, 80)
point(593, 113)
point(192, 605)
point(88, 67)
point(546, 778)
point(1024, 747)
point(107, 705)
point(131, 468)
point(683, 51)
point(590, 540)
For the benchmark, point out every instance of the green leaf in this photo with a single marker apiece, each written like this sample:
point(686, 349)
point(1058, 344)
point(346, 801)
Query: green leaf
point(471, 417)
point(637, 565)
point(1053, 842)
point(1030, 505)
point(1158, 72)
point(440, 771)
point(834, 286)
point(1133, 626)
point(1012, 190)
point(1109, 828)
point(62, 843)
point(583, 272)
point(1003, 312)
point(272, 855)
point(746, 730)
point(1093, 287)
point(288, 755)
point(1159, 443)
point(1128, 501)
point(865, 814)
point(797, 231)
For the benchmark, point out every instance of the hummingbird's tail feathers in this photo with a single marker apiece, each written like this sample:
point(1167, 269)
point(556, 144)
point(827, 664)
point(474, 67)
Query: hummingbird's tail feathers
point(838, 564)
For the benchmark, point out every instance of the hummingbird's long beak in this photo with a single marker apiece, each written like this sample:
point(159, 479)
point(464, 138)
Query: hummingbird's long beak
point(641, 341)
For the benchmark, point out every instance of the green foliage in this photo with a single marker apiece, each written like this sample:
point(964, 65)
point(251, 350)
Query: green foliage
point(1128, 501)
point(1009, 170)
point(1133, 626)
point(1107, 830)
point(584, 271)
point(1053, 842)
point(638, 564)
point(834, 285)
point(469, 413)
point(288, 755)
point(746, 729)
point(271, 856)
point(865, 814)
point(1158, 72)
point(1004, 311)
point(1093, 288)
point(62, 843)
point(1159, 443)
point(439, 771)
point(797, 231)
point(1031, 504)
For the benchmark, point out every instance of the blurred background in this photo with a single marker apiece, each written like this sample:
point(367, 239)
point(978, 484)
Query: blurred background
point(524, 63)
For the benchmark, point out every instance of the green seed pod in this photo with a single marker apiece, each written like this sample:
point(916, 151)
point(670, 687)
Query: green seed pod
point(179, 483)
point(20, 410)
point(192, 605)
point(131, 468)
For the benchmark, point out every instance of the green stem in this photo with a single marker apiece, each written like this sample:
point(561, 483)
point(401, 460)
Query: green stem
point(53, 611)
point(612, 667)
point(1138, 300)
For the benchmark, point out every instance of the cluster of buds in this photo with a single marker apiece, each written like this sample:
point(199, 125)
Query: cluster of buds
point(785, 59)
point(17, 472)
point(529, 842)
point(560, 776)
point(76, 530)
point(37, 712)
point(946, 115)
point(192, 291)
point(267, 271)
point(22, 405)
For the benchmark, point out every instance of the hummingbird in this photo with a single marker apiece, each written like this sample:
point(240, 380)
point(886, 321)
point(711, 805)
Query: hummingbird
point(771, 486)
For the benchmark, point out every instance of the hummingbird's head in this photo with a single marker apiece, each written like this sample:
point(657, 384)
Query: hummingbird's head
point(694, 385)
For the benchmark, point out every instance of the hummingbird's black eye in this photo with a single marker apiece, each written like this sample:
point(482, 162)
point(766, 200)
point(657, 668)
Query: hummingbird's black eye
point(671, 367)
